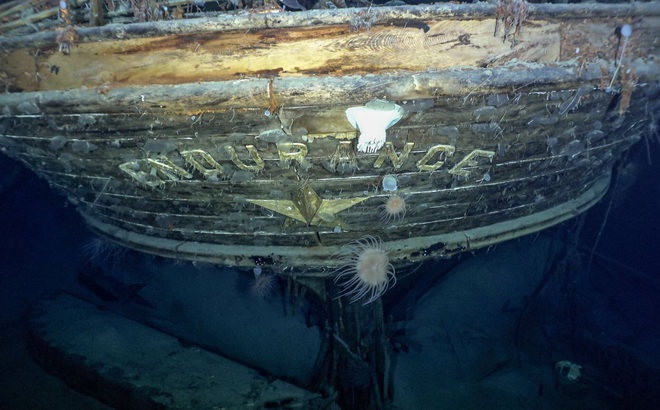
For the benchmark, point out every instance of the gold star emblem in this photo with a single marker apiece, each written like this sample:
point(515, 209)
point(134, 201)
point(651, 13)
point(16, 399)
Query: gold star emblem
point(307, 206)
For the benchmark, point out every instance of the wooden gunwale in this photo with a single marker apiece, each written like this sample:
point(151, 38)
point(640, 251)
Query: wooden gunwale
point(296, 92)
point(383, 15)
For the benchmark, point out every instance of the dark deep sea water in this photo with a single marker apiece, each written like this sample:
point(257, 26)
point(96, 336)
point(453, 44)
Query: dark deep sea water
point(607, 319)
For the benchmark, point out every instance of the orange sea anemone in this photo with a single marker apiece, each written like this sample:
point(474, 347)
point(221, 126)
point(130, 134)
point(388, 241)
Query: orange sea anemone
point(366, 271)
point(394, 209)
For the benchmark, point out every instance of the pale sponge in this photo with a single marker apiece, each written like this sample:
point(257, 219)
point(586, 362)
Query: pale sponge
point(372, 120)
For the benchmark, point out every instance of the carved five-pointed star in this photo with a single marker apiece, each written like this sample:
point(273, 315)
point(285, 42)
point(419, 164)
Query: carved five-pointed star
point(306, 206)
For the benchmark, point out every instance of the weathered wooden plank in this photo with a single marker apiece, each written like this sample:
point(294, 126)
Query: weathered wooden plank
point(202, 210)
point(317, 50)
point(198, 98)
point(322, 50)
point(283, 258)
point(382, 15)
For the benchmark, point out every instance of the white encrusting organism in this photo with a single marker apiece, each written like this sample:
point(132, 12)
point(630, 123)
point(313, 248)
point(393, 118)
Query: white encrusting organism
point(372, 120)
point(389, 183)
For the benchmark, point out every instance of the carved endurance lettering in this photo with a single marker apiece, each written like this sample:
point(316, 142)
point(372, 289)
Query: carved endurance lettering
point(442, 150)
point(292, 151)
point(388, 152)
point(203, 162)
point(470, 161)
point(258, 162)
point(156, 172)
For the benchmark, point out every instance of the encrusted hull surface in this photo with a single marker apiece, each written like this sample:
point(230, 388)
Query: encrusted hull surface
point(238, 150)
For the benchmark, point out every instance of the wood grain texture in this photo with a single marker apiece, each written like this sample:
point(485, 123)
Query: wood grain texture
point(333, 50)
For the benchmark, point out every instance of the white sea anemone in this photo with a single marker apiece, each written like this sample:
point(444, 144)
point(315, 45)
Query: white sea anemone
point(264, 284)
point(103, 253)
point(372, 120)
point(366, 271)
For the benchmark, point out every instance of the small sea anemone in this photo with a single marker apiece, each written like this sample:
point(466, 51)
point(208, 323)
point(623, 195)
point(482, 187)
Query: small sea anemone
point(263, 284)
point(394, 209)
point(366, 271)
point(103, 253)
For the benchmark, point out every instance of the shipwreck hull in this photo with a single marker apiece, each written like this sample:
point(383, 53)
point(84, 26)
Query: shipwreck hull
point(226, 139)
